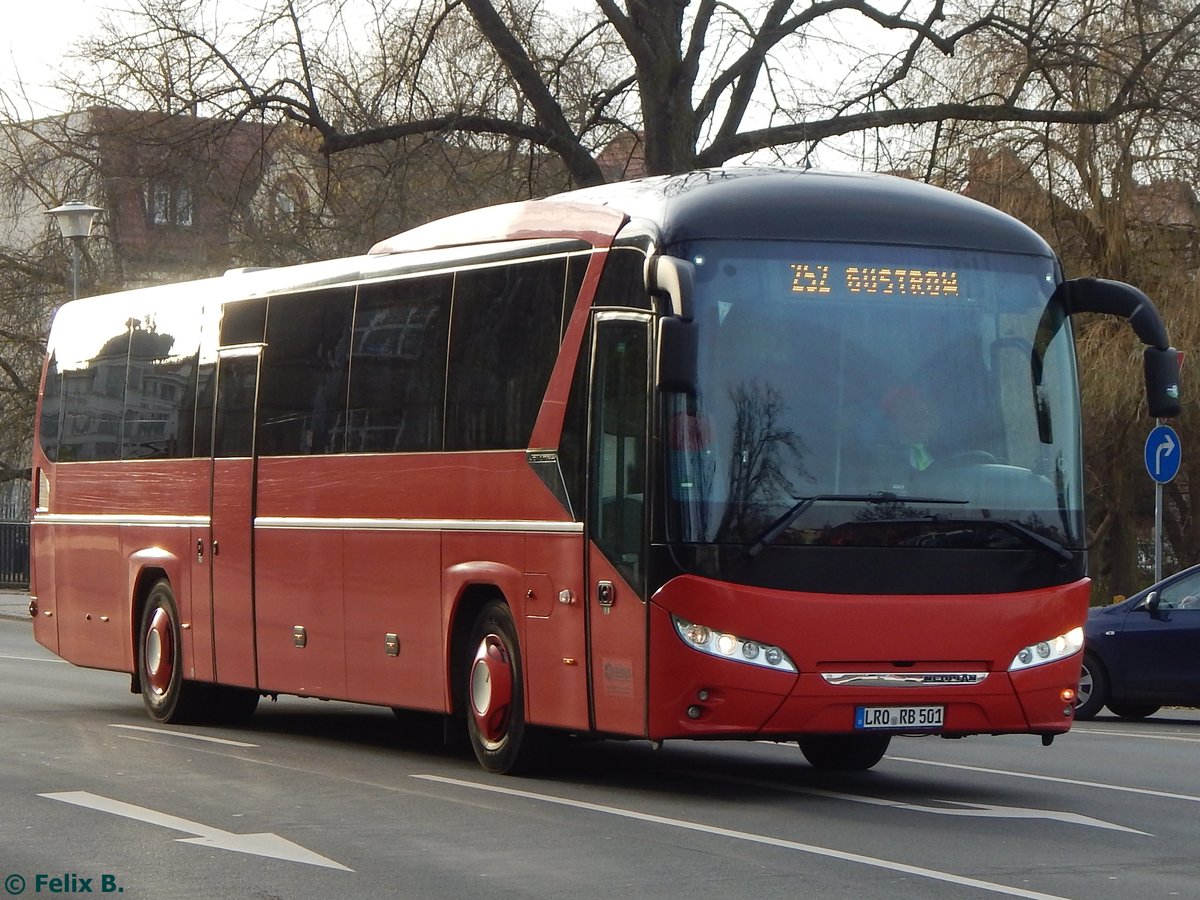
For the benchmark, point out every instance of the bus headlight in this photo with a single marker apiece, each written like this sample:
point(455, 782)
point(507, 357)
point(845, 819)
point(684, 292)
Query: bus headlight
point(732, 647)
point(1043, 652)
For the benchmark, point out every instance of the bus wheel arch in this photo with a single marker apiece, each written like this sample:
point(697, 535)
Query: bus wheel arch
point(144, 583)
point(468, 605)
point(493, 692)
point(166, 694)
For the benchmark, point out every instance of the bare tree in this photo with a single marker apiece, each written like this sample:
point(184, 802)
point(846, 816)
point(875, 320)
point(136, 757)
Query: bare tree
point(1116, 200)
point(699, 83)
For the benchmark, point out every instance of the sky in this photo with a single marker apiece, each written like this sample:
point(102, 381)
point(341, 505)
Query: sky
point(36, 35)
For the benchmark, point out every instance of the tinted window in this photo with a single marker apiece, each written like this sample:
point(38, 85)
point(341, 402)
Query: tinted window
point(398, 365)
point(243, 323)
point(623, 282)
point(160, 375)
point(503, 344)
point(574, 433)
point(302, 391)
point(52, 408)
point(237, 381)
point(196, 420)
point(122, 380)
point(619, 380)
point(92, 351)
point(576, 269)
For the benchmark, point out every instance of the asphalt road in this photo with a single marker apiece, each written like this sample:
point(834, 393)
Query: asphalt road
point(325, 800)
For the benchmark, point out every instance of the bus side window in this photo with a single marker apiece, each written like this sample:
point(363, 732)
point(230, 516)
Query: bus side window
point(398, 365)
point(196, 416)
point(573, 441)
point(94, 372)
point(233, 429)
point(162, 367)
point(623, 281)
point(52, 406)
point(504, 336)
point(302, 396)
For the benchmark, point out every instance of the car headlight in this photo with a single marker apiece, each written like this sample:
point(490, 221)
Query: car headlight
point(732, 647)
point(1048, 651)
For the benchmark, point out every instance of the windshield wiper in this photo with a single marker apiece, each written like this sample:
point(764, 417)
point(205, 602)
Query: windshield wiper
point(784, 522)
point(1016, 528)
point(1033, 537)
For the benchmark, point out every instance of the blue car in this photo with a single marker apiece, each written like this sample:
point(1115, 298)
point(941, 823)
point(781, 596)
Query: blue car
point(1143, 653)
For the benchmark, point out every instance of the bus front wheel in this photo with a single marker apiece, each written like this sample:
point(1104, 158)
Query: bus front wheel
point(168, 697)
point(495, 694)
point(844, 752)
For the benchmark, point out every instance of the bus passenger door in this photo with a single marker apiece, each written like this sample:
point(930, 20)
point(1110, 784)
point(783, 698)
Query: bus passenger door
point(230, 550)
point(617, 515)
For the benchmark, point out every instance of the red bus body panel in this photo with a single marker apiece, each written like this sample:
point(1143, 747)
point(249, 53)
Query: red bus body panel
point(86, 572)
point(837, 633)
point(330, 556)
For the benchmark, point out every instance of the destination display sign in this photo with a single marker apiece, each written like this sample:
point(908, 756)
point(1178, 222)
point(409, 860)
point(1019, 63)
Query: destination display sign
point(824, 278)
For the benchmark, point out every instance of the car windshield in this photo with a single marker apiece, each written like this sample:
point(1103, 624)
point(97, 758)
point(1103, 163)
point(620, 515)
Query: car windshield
point(874, 395)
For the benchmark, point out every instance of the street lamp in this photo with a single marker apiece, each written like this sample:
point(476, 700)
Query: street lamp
point(75, 219)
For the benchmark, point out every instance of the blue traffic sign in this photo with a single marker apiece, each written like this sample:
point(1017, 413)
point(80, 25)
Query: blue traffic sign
point(1163, 453)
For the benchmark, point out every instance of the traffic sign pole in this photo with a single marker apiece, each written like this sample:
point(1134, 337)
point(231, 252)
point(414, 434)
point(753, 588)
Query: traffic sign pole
point(1157, 532)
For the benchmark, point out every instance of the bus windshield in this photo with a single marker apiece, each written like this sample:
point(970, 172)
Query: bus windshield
point(867, 395)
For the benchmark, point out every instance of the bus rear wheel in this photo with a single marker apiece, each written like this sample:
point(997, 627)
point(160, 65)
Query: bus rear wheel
point(167, 695)
point(495, 695)
point(844, 752)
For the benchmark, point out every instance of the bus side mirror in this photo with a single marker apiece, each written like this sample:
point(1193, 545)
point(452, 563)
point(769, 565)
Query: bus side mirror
point(1160, 360)
point(673, 278)
point(678, 348)
point(1162, 381)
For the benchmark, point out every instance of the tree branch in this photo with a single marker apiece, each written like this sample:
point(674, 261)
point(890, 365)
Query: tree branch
point(821, 129)
point(557, 131)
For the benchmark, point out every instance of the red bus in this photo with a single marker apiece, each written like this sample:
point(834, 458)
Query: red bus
point(744, 453)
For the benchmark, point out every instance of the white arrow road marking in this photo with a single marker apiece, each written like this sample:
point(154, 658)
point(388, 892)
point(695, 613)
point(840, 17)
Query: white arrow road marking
point(952, 807)
point(264, 844)
point(979, 810)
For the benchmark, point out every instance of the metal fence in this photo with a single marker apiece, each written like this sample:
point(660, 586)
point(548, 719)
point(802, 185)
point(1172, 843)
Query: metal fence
point(14, 554)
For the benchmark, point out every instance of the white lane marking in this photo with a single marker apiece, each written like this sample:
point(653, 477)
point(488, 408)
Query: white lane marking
point(1052, 778)
point(262, 844)
point(183, 734)
point(32, 658)
point(952, 807)
point(827, 852)
point(1140, 736)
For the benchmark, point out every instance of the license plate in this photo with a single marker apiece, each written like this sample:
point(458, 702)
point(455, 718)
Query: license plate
point(899, 717)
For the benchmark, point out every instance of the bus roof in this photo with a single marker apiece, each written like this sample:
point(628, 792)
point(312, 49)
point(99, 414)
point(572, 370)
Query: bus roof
point(799, 204)
point(745, 202)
